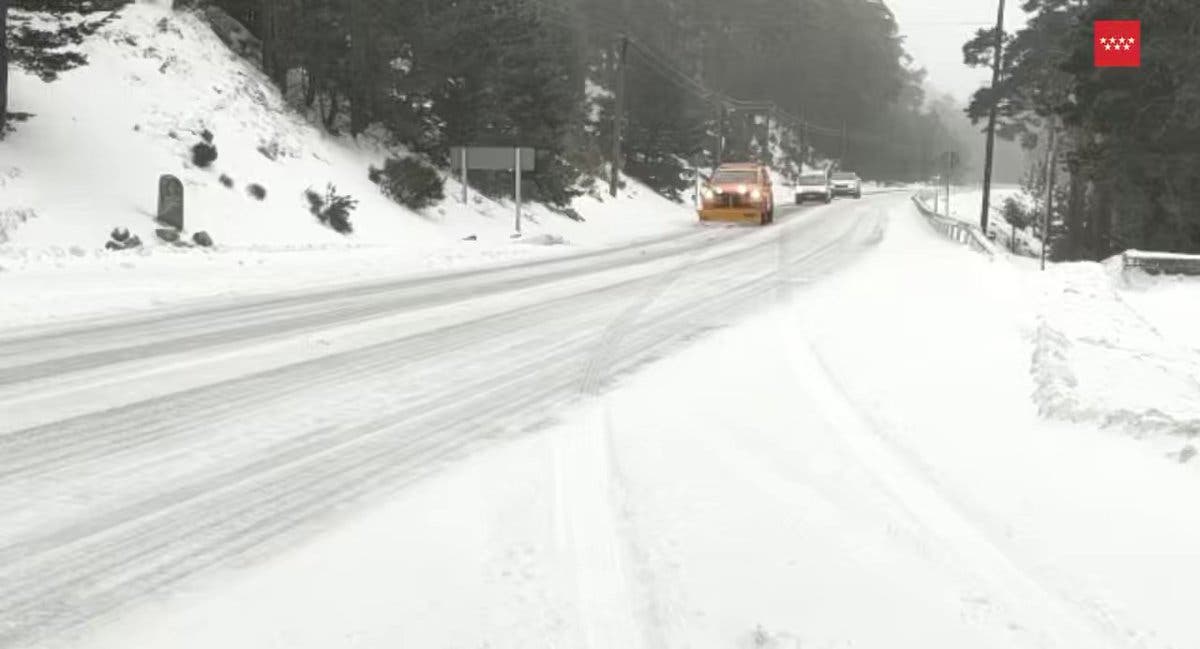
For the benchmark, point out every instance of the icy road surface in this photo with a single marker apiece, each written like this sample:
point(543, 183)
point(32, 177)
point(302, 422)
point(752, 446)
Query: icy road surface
point(836, 446)
point(137, 453)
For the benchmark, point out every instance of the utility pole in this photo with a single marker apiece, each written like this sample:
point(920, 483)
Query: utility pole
point(949, 173)
point(619, 115)
point(463, 162)
point(517, 171)
point(997, 60)
point(1051, 163)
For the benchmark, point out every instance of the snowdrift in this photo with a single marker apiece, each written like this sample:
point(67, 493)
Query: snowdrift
point(1098, 359)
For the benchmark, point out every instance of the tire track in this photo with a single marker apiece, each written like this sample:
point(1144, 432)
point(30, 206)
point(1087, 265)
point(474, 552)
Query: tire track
point(464, 386)
point(210, 328)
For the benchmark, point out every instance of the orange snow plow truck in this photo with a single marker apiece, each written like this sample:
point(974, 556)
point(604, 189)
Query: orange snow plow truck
point(738, 192)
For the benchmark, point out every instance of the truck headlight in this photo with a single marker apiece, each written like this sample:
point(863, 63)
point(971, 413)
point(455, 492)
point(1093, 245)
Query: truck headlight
point(756, 195)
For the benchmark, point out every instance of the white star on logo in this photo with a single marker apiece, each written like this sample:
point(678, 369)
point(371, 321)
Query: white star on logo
point(1103, 41)
point(1127, 46)
point(1108, 47)
point(1131, 41)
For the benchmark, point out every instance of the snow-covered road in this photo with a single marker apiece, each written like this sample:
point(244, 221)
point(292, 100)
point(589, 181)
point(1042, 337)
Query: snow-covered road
point(138, 452)
point(831, 441)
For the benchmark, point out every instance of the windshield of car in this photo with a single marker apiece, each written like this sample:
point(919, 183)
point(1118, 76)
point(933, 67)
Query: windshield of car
point(813, 180)
point(844, 176)
point(730, 176)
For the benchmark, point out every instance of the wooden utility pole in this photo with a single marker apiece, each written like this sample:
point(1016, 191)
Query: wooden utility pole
point(619, 115)
point(3, 65)
point(997, 60)
point(949, 172)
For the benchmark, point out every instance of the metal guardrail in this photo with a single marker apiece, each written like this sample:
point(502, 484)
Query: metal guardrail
point(1154, 263)
point(965, 233)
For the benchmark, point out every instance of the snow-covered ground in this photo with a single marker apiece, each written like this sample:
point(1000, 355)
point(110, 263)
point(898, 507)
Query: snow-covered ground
point(1121, 352)
point(965, 202)
point(1112, 348)
point(861, 465)
point(90, 158)
point(851, 432)
point(1170, 304)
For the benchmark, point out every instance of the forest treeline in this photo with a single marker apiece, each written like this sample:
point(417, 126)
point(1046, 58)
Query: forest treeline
point(1127, 164)
point(437, 73)
point(790, 80)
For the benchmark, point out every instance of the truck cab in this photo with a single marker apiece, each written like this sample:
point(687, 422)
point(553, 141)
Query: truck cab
point(739, 193)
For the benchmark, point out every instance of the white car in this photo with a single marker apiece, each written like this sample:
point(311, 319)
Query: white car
point(815, 187)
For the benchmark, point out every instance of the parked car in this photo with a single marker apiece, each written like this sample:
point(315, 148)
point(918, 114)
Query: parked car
point(739, 192)
point(814, 186)
point(847, 183)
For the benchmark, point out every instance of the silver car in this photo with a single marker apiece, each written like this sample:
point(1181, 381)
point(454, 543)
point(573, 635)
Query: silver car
point(847, 183)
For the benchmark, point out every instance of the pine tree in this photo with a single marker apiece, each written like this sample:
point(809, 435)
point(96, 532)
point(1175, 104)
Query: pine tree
point(1131, 138)
point(3, 66)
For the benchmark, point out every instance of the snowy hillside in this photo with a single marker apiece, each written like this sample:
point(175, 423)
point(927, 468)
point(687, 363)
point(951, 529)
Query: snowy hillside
point(90, 158)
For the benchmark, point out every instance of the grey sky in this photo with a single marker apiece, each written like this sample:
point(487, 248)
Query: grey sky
point(935, 31)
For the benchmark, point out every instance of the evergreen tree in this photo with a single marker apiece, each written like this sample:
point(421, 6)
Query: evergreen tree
point(3, 67)
point(1130, 138)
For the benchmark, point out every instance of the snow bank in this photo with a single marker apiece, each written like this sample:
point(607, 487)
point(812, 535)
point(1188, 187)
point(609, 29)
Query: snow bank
point(1170, 304)
point(933, 344)
point(1099, 360)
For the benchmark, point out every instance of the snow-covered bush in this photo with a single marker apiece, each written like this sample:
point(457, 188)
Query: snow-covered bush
point(121, 239)
point(1015, 213)
point(204, 154)
point(332, 209)
point(410, 182)
point(256, 191)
